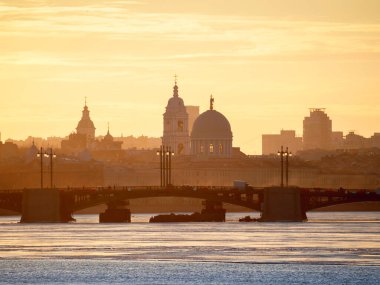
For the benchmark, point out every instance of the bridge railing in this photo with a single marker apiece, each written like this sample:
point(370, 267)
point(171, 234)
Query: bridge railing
point(158, 188)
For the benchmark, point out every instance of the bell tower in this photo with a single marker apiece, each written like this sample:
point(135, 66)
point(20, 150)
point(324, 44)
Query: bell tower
point(176, 124)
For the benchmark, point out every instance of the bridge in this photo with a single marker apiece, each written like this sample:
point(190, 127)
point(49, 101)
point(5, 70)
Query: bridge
point(274, 203)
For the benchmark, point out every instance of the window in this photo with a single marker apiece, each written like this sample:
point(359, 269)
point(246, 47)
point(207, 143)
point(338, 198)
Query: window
point(202, 148)
point(211, 148)
point(180, 148)
point(220, 148)
point(180, 126)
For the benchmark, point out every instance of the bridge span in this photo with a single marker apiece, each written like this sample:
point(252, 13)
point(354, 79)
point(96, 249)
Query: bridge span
point(274, 203)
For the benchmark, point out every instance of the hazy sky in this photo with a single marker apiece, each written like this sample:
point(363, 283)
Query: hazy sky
point(265, 62)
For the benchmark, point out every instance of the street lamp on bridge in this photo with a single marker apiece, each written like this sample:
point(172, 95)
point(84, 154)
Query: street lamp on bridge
point(41, 155)
point(285, 153)
point(52, 155)
point(165, 154)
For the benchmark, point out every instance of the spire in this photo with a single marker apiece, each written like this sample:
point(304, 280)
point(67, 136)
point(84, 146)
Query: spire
point(211, 102)
point(108, 136)
point(85, 112)
point(175, 88)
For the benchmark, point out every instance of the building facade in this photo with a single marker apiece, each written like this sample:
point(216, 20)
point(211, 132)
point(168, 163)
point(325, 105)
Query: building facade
point(271, 144)
point(193, 112)
point(317, 130)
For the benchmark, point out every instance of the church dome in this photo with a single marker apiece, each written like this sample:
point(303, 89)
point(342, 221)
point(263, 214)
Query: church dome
point(108, 136)
point(211, 125)
point(175, 103)
point(85, 121)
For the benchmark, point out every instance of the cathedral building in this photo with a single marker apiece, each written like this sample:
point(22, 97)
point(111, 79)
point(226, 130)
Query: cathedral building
point(176, 125)
point(108, 143)
point(211, 135)
point(83, 138)
point(85, 125)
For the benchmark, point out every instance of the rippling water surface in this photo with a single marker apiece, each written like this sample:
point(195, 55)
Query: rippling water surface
point(332, 248)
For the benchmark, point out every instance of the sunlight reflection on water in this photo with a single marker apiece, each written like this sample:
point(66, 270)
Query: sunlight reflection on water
point(343, 242)
point(322, 240)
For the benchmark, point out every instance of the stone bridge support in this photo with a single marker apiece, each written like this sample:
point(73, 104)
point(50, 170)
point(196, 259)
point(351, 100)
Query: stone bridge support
point(282, 205)
point(44, 206)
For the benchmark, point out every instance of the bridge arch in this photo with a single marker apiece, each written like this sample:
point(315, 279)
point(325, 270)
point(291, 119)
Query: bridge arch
point(91, 199)
point(339, 203)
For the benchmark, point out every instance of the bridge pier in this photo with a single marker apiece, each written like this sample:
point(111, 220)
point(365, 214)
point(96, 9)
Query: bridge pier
point(213, 211)
point(44, 206)
point(282, 205)
point(116, 212)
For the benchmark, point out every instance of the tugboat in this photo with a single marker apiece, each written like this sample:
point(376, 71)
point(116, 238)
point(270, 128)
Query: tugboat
point(248, 219)
point(212, 212)
point(116, 212)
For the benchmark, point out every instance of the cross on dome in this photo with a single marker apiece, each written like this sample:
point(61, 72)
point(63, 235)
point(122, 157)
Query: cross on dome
point(175, 88)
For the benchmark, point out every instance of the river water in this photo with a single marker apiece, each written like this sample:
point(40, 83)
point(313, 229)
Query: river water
point(331, 248)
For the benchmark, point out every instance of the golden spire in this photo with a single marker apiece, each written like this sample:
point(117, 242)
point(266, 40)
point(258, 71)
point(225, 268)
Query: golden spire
point(211, 102)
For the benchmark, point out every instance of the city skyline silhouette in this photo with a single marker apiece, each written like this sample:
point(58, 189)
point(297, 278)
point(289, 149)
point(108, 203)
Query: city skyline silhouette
point(190, 142)
point(265, 66)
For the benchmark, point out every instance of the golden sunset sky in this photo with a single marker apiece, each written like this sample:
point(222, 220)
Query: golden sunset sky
point(265, 62)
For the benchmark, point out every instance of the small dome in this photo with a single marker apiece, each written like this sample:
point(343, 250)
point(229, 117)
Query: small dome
point(85, 124)
point(211, 125)
point(175, 103)
point(108, 136)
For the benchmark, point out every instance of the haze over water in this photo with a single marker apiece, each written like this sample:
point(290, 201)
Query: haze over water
point(332, 248)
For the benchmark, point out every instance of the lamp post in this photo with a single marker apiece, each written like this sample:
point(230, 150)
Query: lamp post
point(166, 159)
point(41, 155)
point(51, 155)
point(165, 154)
point(281, 153)
point(169, 153)
point(161, 153)
point(287, 154)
